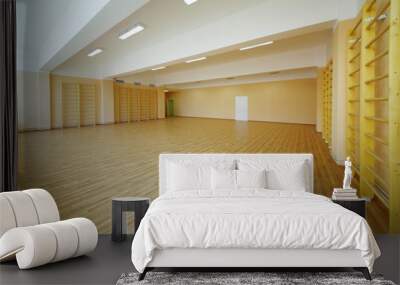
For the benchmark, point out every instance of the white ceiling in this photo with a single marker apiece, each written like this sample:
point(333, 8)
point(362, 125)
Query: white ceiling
point(301, 52)
point(162, 20)
point(247, 79)
point(175, 32)
point(49, 32)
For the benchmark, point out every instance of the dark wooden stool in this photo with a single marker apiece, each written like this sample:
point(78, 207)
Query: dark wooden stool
point(358, 206)
point(138, 205)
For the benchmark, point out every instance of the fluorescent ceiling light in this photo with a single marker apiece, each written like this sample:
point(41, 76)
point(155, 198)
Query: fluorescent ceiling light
point(158, 68)
point(95, 52)
point(196, 59)
point(136, 29)
point(190, 2)
point(257, 45)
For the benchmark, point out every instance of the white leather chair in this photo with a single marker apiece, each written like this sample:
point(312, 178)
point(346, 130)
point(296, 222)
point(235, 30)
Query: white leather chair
point(31, 230)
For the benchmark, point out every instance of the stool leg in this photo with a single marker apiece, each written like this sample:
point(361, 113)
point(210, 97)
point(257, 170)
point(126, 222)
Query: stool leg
point(140, 211)
point(116, 222)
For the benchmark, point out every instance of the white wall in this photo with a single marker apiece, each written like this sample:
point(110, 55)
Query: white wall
point(33, 95)
point(339, 90)
point(20, 100)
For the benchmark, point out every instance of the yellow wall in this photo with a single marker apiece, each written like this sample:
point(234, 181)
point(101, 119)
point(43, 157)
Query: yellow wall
point(292, 101)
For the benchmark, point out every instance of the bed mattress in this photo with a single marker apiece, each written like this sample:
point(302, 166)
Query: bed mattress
point(250, 219)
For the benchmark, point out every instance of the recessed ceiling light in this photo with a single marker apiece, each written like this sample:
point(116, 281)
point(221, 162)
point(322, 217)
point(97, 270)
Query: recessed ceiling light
point(196, 59)
point(158, 68)
point(257, 45)
point(190, 2)
point(136, 29)
point(95, 52)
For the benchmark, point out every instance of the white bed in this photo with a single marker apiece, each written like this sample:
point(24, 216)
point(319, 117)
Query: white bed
point(248, 227)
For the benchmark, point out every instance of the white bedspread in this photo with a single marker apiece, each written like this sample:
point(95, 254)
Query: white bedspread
point(250, 219)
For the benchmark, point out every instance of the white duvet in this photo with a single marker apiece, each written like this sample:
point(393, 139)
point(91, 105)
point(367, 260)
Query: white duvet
point(250, 218)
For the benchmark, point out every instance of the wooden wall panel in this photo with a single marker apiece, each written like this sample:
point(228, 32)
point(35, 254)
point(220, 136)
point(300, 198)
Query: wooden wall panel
point(144, 105)
point(134, 105)
point(116, 103)
point(87, 96)
point(153, 104)
point(70, 105)
point(75, 101)
point(123, 104)
point(135, 102)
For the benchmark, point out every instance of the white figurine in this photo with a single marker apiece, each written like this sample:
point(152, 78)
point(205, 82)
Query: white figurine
point(347, 174)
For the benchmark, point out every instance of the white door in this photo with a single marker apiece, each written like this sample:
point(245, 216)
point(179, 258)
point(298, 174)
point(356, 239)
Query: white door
point(241, 108)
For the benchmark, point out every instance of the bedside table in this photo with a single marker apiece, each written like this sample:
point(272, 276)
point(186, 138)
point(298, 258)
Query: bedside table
point(358, 206)
point(138, 205)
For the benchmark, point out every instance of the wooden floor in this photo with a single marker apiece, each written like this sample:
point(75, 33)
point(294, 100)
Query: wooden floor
point(84, 167)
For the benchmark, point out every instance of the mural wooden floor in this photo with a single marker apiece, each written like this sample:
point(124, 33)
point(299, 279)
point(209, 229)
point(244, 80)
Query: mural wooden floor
point(84, 167)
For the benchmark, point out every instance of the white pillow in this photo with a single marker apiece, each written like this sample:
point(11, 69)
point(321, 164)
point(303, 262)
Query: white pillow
point(188, 177)
point(281, 174)
point(189, 174)
point(223, 179)
point(251, 178)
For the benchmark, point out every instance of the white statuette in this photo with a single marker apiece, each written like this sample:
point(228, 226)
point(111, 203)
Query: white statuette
point(347, 174)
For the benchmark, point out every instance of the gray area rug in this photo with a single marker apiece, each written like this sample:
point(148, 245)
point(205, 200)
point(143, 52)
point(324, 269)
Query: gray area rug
point(233, 278)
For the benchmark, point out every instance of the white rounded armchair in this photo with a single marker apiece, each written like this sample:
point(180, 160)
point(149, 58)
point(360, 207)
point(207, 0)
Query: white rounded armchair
point(31, 230)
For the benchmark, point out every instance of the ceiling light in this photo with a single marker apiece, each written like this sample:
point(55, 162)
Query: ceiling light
point(158, 68)
point(95, 52)
point(136, 29)
point(196, 59)
point(190, 2)
point(257, 45)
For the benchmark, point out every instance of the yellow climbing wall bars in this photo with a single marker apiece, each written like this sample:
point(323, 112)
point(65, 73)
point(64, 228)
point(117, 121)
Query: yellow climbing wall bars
point(373, 104)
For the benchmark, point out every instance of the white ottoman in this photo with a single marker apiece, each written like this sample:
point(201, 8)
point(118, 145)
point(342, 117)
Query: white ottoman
point(31, 232)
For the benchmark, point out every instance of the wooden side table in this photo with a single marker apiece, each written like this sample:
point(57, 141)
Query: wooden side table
point(358, 206)
point(138, 205)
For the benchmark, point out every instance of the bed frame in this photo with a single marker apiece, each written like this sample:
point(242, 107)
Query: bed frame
point(242, 259)
point(249, 259)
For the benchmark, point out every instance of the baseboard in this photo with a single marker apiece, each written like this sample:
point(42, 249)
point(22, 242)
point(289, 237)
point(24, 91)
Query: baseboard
point(230, 119)
point(24, 130)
